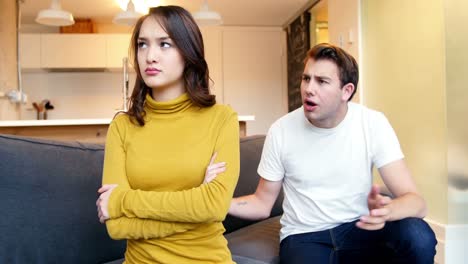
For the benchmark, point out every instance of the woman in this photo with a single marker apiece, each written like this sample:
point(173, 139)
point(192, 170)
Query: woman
point(159, 187)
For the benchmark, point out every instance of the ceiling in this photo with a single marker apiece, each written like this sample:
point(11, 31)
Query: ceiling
point(234, 12)
point(320, 11)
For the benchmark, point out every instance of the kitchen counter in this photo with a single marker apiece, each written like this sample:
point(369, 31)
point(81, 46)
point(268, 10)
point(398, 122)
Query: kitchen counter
point(54, 122)
point(77, 122)
point(86, 130)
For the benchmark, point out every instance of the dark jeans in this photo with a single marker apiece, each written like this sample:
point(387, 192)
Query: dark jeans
point(409, 240)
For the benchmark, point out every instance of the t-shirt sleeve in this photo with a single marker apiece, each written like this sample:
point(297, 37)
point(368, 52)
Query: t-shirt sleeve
point(271, 168)
point(384, 141)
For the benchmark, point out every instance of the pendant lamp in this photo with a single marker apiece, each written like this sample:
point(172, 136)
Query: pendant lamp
point(55, 16)
point(207, 17)
point(128, 17)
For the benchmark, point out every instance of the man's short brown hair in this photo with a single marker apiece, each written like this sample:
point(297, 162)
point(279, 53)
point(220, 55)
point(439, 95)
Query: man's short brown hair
point(347, 65)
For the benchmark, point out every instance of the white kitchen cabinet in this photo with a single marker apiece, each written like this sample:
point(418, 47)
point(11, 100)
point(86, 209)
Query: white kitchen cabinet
point(212, 40)
point(254, 74)
point(117, 46)
point(30, 51)
point(73, 51)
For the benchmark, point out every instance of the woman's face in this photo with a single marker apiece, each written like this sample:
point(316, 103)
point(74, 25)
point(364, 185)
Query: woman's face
point(160, 62)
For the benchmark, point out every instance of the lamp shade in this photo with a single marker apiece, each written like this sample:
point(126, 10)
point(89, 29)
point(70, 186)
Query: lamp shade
point(207, 17)
point(128, 17)
point(55, 16)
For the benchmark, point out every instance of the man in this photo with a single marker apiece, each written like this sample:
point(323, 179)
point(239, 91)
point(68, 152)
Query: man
point(322, 155)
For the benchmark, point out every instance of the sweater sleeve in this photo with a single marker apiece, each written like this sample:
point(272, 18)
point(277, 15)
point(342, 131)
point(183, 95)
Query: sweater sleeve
point(114, 172)
point(136, 228)
point(206, 203)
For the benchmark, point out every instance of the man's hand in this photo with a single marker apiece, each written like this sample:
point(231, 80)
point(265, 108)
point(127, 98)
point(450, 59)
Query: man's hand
point(103, 201)
point(214, 169)
point(379, 211)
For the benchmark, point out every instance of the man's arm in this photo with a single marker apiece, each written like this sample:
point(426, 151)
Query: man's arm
point(258, 205)
point(407, 202)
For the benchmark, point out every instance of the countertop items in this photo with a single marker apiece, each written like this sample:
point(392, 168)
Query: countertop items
point(42, 108)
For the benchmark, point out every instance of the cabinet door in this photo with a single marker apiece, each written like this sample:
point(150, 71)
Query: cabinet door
point(117, 48)
point(213, 56)
point(254, 73)
point(73, 51)
point(30, 51)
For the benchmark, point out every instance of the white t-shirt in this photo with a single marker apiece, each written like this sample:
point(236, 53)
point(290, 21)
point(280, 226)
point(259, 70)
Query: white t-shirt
point(326, 173)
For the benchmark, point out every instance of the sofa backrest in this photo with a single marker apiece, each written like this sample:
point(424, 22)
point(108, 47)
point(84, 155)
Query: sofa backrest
point(48, 191)
point(250, 153)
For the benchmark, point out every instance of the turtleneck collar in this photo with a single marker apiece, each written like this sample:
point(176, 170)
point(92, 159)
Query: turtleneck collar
point(176, 105)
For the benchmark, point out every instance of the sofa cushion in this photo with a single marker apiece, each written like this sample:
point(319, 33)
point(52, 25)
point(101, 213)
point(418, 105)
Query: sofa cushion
point(47, 197)
point(119, 261)
point(250, 154)
point(246, 260)
point(259, 242)
point(237, 259)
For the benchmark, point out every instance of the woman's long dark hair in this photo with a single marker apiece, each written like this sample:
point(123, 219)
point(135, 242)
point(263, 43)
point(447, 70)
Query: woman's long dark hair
point(182, 29)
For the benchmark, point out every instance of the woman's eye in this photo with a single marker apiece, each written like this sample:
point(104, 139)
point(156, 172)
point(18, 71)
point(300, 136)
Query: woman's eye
point(306, 78)
point(165, 44)
point(141, 45)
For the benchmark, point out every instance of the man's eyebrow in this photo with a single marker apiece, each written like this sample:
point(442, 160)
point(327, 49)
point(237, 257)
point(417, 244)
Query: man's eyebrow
point(322, 77)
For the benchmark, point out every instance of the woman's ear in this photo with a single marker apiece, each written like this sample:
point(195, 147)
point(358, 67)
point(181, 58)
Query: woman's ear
point(347, 91)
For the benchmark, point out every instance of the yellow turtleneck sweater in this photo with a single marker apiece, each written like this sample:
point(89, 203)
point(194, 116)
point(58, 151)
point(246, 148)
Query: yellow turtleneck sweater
point(160, 205)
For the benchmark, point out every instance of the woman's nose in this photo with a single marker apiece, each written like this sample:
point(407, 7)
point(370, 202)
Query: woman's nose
point(152, 55)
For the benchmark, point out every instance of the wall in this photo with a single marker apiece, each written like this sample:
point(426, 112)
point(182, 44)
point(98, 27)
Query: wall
point(75, 95)
point(104, 28)
point(212, 40)
point(8, 65)
point(343, 25)
point(456, 41)
point(108, 28)
point(254, 74)
point(344, 31)
point(403, 68)
point(415, 70)
point(457, 109)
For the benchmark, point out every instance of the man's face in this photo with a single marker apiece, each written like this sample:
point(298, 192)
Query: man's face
point(323, 97)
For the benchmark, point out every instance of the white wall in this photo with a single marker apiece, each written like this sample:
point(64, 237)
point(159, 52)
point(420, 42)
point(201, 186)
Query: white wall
point(415, 71)
point(212, 40)
point(8, 66)
point(457, 109)
point(254, 74)
point(75, 95)
point(343, 25)
point(344, 30)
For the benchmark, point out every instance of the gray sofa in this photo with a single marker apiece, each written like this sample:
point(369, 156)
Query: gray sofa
point(47, 199)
